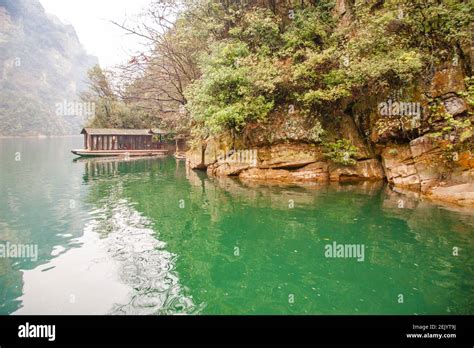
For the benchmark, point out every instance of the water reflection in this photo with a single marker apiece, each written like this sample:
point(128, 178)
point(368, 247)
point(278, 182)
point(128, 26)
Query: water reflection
point(148, 236)
point(35, 207)
point(144, 263)
point(118, 265)
point(409, 247)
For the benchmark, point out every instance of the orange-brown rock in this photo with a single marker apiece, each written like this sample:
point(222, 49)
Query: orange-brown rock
point(447, 80)
point(288, 155)
point(370, 169)
point(462, 194)
point(314, 172)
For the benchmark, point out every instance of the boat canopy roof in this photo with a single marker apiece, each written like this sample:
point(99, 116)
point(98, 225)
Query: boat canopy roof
point(120, 131)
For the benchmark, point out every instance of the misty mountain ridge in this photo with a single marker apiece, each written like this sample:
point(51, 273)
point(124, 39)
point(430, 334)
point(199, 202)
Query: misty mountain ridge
point(42, 65)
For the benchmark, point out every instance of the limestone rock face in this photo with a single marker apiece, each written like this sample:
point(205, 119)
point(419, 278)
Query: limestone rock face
point(259, 174)
point(200, 157)
point(394, 128)
point(462, 194)
point(414, 166)
point(411, 165)
point(370, 169)
point(447, 80)
point(426, 156)
point(421, 145)
point(400, 170)
point(349, 131)
point(195, 158)
point(288, 155)
point(319, 172)
point(417, 165)
point(283, 126)
point(410, 158)
point(314, 172)
point(226, 169)
point(233, 164)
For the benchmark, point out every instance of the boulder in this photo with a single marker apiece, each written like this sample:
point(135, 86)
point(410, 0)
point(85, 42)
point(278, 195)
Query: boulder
point(455, 105)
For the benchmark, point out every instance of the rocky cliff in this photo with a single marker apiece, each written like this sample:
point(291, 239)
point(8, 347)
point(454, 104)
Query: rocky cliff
point(417, 164)
point(42, 63)
point(419, 139)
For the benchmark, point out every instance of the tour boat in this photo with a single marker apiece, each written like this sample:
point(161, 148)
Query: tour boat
point(111, 142)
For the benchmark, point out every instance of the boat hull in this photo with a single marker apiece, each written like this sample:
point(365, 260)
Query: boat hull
point(118, 153)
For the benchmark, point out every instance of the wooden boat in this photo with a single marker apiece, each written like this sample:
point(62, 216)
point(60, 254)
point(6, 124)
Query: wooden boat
point(115, 159)
point(109, 142)
point(120, 153)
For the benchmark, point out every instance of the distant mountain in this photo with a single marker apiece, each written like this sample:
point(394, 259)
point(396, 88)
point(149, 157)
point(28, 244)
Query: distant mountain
point(42, 65)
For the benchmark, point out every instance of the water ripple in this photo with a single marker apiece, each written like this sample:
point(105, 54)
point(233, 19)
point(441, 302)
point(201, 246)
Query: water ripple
point(144, 264)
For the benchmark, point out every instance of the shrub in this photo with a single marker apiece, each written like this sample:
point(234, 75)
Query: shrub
point(342, 152)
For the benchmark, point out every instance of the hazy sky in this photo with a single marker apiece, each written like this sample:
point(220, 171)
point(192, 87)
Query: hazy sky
point(91, 19)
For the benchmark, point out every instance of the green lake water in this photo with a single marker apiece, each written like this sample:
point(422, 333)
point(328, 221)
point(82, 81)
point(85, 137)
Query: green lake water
point(149, 236)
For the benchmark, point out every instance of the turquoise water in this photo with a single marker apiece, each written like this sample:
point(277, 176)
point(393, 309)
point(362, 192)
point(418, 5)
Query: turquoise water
point(151, 237)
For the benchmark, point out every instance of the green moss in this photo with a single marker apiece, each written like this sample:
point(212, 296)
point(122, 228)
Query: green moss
point(393, 152)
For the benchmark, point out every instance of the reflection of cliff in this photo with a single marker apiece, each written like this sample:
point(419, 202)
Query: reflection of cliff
point(397, 238)
point(283, 196)
point(241, 248)
point(436, 229)
point(284, 255)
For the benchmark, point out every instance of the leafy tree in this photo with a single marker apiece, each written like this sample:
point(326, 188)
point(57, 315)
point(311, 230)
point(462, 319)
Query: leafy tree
point(220, 65)
point(236, 87)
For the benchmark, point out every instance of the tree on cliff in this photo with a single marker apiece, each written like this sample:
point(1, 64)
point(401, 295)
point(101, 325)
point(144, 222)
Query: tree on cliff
point(215, 66)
